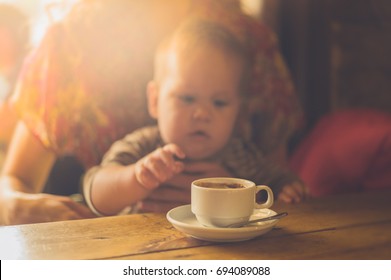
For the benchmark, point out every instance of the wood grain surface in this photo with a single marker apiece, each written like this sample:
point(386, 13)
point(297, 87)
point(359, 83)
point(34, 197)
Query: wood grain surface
point(353, 226)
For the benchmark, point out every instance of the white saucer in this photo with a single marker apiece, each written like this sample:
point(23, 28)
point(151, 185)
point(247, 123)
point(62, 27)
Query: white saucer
point(184, 220)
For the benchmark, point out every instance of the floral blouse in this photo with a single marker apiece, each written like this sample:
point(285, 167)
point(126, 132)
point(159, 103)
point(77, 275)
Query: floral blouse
point(76, 103)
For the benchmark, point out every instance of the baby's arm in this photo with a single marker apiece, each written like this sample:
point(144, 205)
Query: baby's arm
point(115, 187)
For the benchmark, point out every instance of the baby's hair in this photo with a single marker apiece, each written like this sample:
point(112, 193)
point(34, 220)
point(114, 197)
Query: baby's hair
point(195, 33)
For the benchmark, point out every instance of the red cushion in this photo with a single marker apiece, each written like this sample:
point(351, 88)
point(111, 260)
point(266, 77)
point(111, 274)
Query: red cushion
point(347, 151)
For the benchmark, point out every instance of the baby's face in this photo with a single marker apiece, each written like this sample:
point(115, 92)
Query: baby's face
point(199, 101)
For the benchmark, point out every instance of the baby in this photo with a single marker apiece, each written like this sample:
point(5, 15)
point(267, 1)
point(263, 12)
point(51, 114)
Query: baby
point(196, 96)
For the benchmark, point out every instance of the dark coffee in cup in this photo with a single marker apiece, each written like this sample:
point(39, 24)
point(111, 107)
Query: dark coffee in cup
point(213, 185)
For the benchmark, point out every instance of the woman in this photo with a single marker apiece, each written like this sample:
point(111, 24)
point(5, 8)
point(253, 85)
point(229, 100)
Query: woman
point(73, 96)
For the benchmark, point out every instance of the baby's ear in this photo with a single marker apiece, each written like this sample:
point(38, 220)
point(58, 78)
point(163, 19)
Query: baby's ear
point(152, 96)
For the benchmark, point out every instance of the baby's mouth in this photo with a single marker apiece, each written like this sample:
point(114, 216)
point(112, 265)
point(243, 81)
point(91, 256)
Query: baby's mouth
point(199, 133)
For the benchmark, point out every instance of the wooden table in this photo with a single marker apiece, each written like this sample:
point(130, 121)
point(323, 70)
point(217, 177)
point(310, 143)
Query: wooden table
point(354, 226)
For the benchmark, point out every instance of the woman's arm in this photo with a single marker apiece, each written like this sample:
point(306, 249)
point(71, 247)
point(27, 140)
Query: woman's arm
point(24, 174)
point(7, 124)
point(27, 161)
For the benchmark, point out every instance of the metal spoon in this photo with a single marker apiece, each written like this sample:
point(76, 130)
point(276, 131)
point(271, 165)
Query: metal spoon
point(240, 224)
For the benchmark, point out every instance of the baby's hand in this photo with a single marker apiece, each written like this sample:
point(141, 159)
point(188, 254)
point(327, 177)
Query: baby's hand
point(159, 166)
point(293, 193)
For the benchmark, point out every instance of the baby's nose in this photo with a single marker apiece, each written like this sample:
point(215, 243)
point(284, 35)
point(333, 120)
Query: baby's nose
point(202, 113)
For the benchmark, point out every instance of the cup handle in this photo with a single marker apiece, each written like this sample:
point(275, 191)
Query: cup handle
point(270, 197)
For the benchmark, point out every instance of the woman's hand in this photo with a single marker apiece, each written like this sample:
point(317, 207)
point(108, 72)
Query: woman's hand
point(24, 173)
point(205, 169)
point(293, 193)
point(176, 191)
point(22, 208)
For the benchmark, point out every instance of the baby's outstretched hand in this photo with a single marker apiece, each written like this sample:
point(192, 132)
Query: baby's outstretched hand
point(159, 166)
point(293, 193)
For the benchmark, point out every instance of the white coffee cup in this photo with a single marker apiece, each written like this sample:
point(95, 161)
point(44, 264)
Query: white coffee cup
point(217, 206)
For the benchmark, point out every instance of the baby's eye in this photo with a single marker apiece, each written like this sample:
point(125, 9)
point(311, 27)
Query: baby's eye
point(188, 99)
point(220, 103)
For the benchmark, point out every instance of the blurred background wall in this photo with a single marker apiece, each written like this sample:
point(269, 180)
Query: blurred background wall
point(337, 50)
